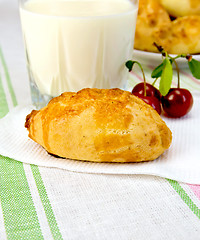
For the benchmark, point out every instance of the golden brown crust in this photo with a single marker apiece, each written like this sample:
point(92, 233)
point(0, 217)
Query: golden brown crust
point(100, 125)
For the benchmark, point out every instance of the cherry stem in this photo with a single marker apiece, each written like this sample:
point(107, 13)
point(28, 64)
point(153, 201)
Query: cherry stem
point(178, 73)
point(154, 81)
point(145, 92)
point(177, 68)
point(160, 48)
point(163, 52)
point(181, 56)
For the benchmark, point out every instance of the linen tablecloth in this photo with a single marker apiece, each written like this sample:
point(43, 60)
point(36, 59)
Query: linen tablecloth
point(48, 203)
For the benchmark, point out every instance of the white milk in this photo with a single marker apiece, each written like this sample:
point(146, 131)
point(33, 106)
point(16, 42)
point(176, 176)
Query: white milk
point(71, 45)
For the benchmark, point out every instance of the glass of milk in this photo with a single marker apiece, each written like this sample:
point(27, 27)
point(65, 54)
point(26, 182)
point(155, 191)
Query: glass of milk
point(76, 44)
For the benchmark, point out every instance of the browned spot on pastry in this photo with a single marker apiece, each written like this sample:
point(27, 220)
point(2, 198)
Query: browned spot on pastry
point(28, 118)
point(153, 141)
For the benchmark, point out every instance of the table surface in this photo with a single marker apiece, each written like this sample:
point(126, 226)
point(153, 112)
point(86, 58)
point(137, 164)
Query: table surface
point(49, 203)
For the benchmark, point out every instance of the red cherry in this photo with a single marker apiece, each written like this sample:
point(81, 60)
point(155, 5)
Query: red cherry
point(177, 103)
point(152, 101)
point(151, 91)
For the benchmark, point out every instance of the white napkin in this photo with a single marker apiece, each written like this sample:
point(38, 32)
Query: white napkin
point(181, 162)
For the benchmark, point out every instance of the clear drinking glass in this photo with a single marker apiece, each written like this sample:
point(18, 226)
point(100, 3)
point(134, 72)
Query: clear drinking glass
point(75, 44)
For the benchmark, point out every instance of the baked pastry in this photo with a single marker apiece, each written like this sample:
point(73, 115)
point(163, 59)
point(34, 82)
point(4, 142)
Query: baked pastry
point(100, 125)
point(153, 25)
point(185, 35)
point(180, 8)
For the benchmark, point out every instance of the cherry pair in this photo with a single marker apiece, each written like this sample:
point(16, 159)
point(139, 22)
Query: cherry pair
point(177, 103)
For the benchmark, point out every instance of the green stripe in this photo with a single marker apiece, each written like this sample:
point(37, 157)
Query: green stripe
point(11, 90)
point(185, 197)
point(3, 102)
point(20, 217)
point(48, 210)
point(46, 203)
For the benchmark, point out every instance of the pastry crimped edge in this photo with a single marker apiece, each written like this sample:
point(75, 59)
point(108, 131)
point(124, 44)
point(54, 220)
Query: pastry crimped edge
point(100, 125)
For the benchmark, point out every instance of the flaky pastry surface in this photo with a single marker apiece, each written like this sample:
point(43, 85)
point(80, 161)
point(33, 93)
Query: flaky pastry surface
point(100, 125)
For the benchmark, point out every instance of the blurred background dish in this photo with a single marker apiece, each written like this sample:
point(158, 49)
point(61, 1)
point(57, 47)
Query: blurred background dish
point(176, 31)
point(153, 25)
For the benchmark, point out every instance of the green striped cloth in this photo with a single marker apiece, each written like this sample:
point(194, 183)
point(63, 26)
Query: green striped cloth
point(49, 203)
point(40, 203)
